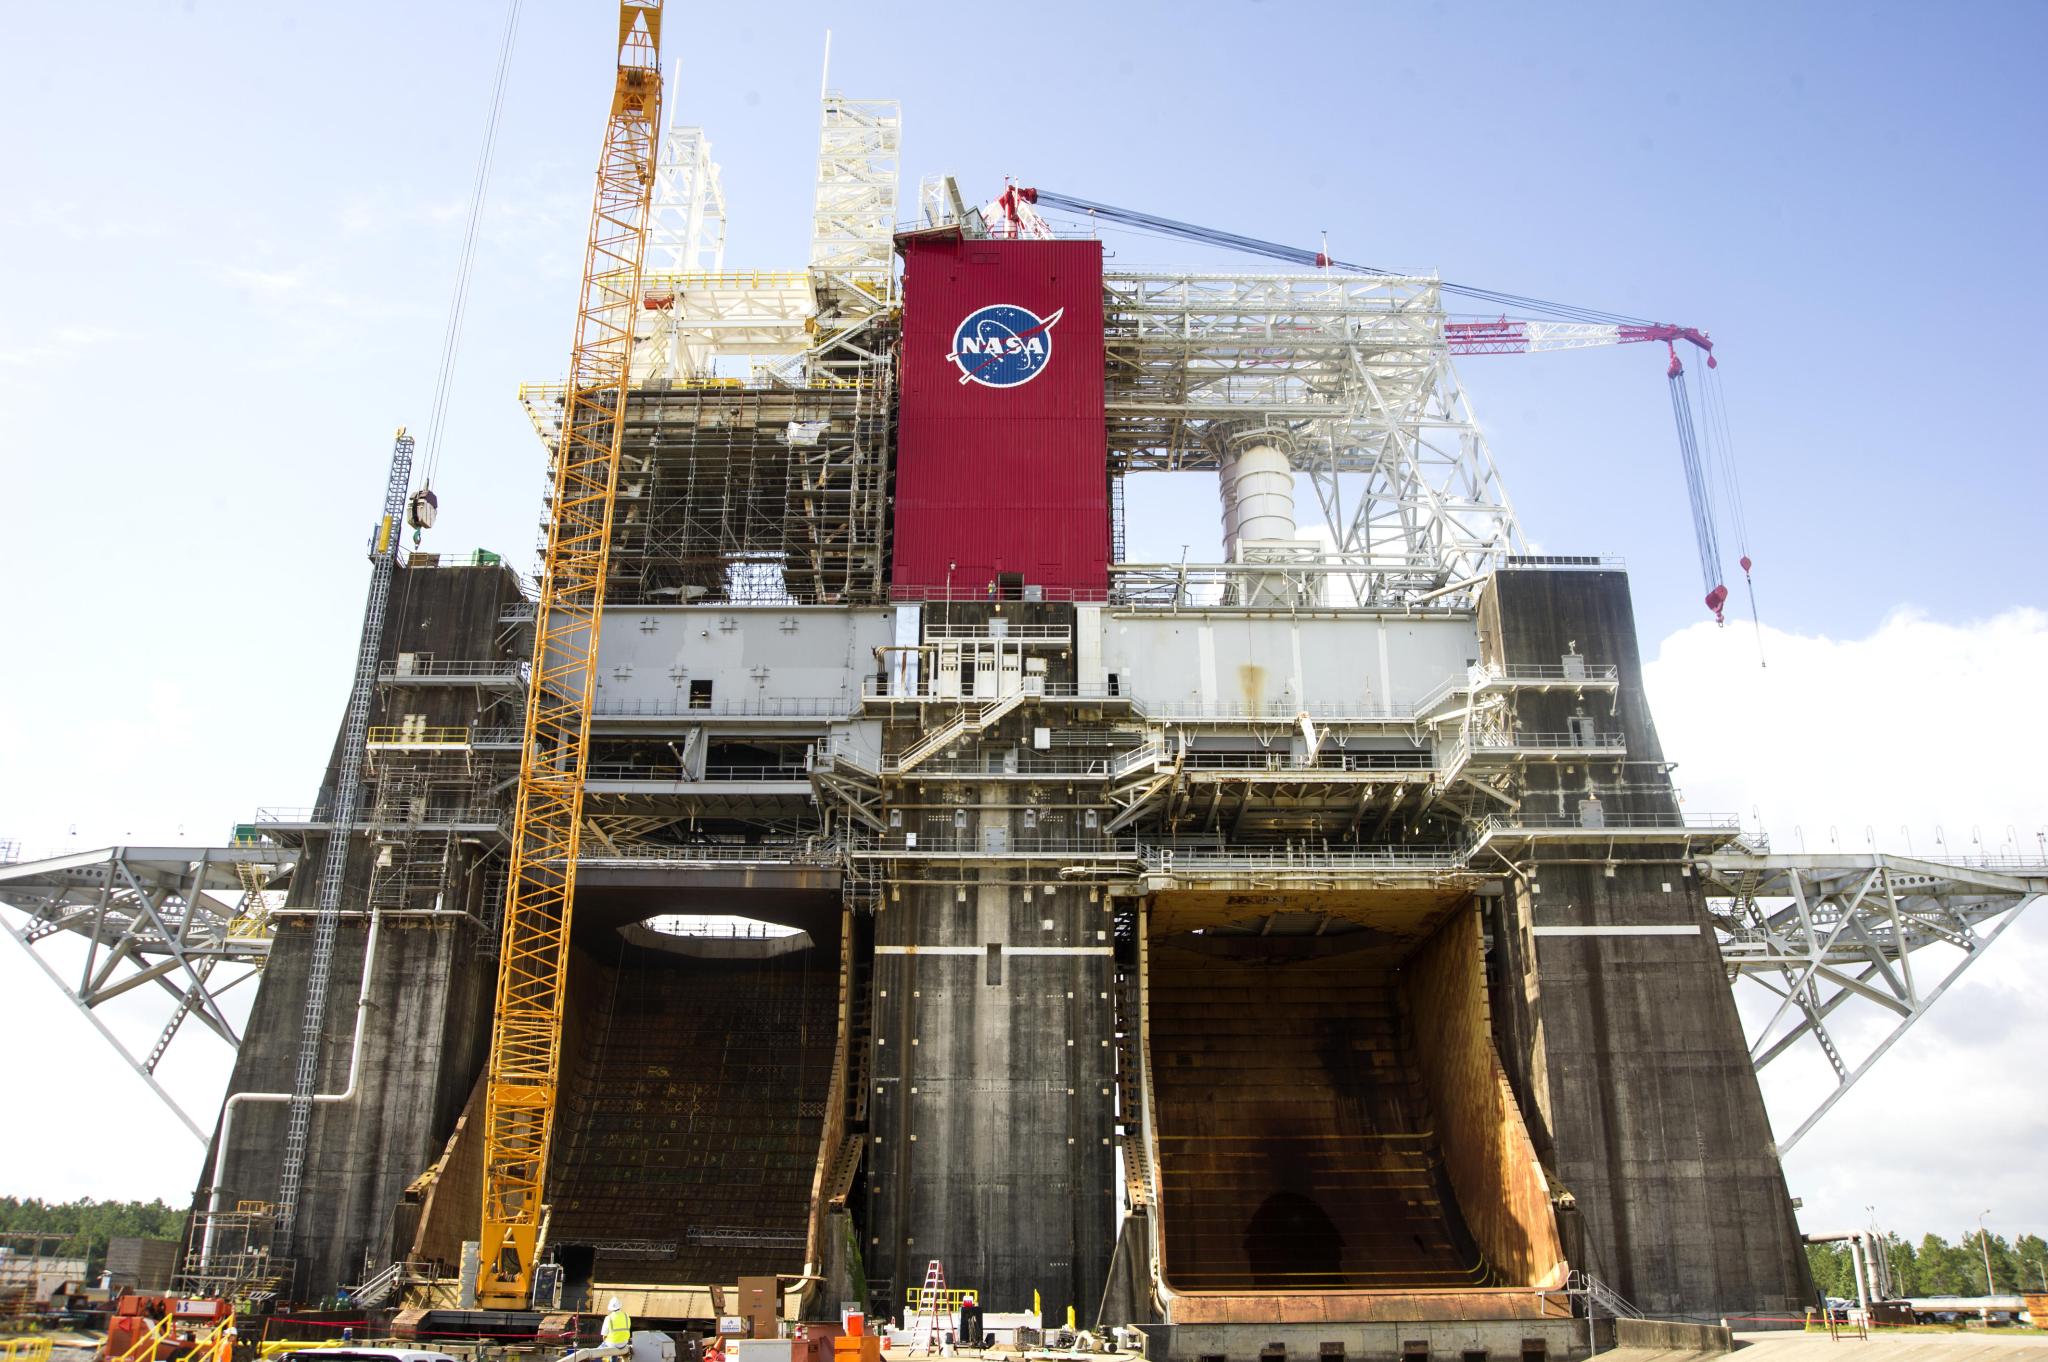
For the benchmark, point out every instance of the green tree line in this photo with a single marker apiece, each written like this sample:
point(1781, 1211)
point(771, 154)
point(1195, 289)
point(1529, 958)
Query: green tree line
point(87, 1225)
point(1935, 1267)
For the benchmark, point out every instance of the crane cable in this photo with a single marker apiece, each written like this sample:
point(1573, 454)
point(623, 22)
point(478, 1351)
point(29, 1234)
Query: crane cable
point(1702, 471)
point(1697, 488)
point(1210, 236)
point(451, 339)
point(1714, 408)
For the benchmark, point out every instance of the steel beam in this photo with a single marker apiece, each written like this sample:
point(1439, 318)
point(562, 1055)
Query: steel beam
point(1826, 931)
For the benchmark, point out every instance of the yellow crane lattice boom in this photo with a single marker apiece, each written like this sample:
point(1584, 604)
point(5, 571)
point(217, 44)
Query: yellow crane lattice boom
point(526, 1040)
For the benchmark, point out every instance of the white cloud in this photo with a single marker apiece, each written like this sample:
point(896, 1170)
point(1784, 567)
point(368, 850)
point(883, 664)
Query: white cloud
point(265, 283)
point(65, 343)
point(1918, 737)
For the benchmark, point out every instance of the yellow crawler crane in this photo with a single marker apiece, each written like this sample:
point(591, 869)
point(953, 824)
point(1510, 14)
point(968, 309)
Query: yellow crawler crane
point(526, 1043)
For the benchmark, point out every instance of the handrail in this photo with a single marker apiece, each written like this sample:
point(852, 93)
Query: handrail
point(1284, 763)
point(825, 852)
point(397, 735)
point(145, 1345)
point(1548, 742)
point(316, 814)
point(1478, 678)
point(627, 771)
point(793, 706)
point(435, 667)
point(882, 688)
point(986, 632)
point(1163, 858)
point(1537, 822)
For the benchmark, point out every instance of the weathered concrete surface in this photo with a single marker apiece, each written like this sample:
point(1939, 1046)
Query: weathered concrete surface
point(992, 1116)
point(429, 1018)
point(423, 1045)
point(1976, 1345)
point(1626, 1049)
point(1374, 1342)
point(1673, 1336)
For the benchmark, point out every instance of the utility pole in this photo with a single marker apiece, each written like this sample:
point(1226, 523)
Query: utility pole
point(1984, 1242)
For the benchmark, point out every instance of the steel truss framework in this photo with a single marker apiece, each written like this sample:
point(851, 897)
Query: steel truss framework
point(686, 231)
point(1349, 372)
point(548, 825)
point(853, 220)
point(191, 921)
point(1821, 933)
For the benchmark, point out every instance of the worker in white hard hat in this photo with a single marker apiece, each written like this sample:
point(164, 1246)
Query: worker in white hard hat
point(618, 1326)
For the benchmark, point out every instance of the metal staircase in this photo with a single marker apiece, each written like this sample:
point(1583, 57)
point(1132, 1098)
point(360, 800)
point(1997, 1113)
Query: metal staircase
point(1138, 1181)
point(967, 721)
point(1597, 1293)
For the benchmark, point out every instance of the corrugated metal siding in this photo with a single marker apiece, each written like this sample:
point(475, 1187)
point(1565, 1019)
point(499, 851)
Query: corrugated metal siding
point(1002, 480)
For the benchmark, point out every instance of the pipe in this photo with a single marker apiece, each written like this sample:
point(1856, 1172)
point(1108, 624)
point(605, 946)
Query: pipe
point(1856, 1263)
point(347, 1094)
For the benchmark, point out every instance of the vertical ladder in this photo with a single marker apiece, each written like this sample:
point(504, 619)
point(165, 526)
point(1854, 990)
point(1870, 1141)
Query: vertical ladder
point(348, 789)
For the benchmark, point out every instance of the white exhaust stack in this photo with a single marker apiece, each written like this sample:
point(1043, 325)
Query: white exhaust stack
point(1255, 478)
point(1257, 485)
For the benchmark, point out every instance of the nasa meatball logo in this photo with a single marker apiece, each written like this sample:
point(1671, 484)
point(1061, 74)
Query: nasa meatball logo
point(1003, 345)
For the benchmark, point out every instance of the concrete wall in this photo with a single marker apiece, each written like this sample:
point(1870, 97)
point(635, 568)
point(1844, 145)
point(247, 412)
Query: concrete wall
point(428, 1023)
point(1632, 1052)
point(1671, 1336)
point(992, 1114)
point(1375, 1342)
point(423, 1045)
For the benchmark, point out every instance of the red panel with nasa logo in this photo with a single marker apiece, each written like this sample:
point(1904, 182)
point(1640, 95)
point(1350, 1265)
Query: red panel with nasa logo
point(1002, 457)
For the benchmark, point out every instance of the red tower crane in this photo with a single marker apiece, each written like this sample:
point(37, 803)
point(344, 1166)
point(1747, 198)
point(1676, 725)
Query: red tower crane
point(1565, 328)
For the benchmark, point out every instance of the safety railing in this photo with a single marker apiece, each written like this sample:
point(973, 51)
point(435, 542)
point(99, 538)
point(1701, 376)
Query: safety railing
point(786, 706)
point(1549, 742)
point(1585, 562)
point(483, 670)
point(630, 771)
point(1166, 857)
point(889, 688)
point(1286, 763)
point(1151, 754)
point(398, 735)
point(727, 279)
point(963, 591)
point(997, 631)
point(1592, 674)
point(25, 1349)
point(1606, 821)
point(145, 1345)
point(1275, 712)
point(913, 845)
point(821, 852)
point(1017, 764)
point(475, 815)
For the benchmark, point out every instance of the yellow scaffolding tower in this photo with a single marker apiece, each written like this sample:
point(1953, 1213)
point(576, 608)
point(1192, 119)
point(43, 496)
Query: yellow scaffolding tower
point(526, 1044)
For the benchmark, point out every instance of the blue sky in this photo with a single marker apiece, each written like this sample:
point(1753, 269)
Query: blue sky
point(231, 230)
